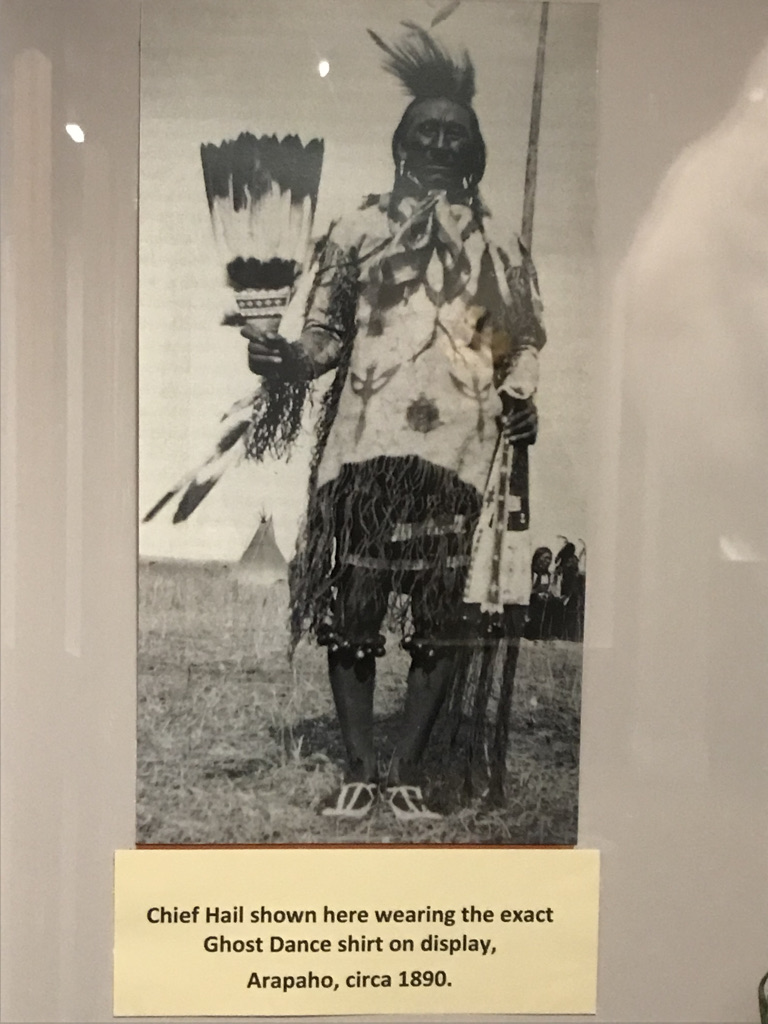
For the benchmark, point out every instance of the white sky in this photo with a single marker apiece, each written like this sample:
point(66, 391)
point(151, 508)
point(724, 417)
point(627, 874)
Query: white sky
point(211, 70)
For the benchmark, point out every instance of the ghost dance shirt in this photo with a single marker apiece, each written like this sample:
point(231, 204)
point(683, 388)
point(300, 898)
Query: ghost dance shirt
point(442, 322)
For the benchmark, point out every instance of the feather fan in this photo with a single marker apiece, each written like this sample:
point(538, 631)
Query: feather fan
point(262, 195)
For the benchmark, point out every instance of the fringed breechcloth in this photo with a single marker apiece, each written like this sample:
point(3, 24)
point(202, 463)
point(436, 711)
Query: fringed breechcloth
point(390, 537)
point(389, 540)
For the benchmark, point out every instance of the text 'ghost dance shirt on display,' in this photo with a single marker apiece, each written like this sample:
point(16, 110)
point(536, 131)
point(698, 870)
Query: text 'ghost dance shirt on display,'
point(352, 931)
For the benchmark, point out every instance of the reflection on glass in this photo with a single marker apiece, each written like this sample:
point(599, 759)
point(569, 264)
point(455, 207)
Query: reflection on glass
point(75, 132)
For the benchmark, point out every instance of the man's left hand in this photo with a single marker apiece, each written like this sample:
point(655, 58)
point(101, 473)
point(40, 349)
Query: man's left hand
point(519, 421)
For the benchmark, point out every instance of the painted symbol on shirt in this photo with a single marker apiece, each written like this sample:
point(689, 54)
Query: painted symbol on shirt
point(437, 326)
point(365, 388)
point(423, 414)
point(477, 394)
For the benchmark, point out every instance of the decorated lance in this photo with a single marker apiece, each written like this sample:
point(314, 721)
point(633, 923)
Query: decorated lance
point(508, 503)
point(499, 576)
point(519, 478)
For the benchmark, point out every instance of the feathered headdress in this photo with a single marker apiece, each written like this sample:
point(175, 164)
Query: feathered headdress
point(426, 69)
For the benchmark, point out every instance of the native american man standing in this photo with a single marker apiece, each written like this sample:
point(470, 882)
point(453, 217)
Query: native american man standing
point(432, 333)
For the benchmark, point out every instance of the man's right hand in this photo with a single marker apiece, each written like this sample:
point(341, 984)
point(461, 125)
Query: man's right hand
point(269, 354)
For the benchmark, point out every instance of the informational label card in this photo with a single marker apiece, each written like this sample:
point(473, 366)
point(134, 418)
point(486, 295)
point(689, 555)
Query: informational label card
point(355, 931)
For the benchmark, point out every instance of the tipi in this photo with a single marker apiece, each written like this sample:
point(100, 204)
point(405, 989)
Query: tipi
point(262, 561)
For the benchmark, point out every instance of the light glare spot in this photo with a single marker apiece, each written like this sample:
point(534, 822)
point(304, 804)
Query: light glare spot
point(323, 68)
point(736, 549)
point(75, 132)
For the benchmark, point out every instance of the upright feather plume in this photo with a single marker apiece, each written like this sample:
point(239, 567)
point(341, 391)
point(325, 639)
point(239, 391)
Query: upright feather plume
point(426, 69)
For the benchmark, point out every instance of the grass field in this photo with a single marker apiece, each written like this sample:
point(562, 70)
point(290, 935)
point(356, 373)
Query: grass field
point(237, 745)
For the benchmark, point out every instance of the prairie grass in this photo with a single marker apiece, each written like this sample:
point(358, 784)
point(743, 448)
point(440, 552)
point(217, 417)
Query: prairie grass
point(238, 745)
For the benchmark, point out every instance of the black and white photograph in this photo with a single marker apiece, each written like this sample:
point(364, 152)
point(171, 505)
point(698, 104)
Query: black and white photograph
point(366, 351)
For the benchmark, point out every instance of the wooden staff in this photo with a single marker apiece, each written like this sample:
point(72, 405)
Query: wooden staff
point(532, 161)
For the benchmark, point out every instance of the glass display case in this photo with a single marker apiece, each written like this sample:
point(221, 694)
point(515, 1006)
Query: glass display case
point(673, 774)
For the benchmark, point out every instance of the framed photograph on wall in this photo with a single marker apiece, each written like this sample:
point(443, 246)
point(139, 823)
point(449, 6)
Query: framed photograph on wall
point(366, 323)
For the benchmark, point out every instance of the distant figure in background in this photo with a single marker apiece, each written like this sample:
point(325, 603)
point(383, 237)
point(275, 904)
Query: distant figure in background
point(569, 588)
point(539, 609)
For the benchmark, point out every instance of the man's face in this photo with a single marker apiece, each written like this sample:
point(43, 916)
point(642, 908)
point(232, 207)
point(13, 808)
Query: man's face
point(436, 149)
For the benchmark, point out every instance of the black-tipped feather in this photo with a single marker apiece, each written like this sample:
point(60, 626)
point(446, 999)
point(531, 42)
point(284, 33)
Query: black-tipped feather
point(232, 436)
point(192, 497)
point(426, 69)
point(160, 505)
point(197, 484)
